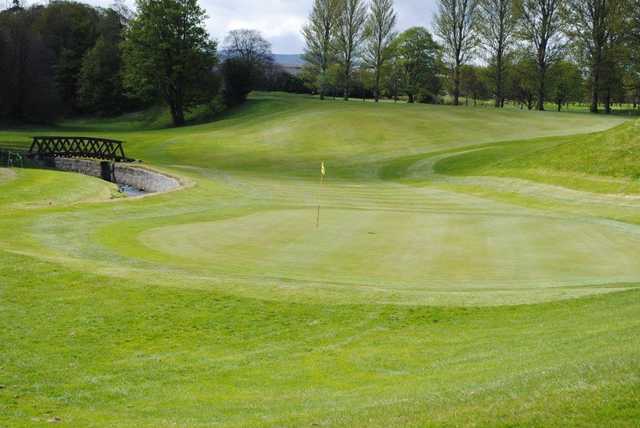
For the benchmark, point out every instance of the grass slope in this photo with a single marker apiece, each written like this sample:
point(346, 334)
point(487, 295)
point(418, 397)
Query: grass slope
point(603, 161)
point(443, 287)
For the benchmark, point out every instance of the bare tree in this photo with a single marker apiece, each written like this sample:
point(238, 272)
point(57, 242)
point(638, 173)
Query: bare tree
point(248, 45)
point(350, 34)
point(380, 34)
point(595, 27)
point(247, 58)
point(455, 25)
point(319, 35)
point(496, 27)
point(540, 27)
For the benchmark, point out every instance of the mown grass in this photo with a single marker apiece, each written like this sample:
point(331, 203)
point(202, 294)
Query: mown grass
point(103, 352)
point(437, 291)
point(604, 162)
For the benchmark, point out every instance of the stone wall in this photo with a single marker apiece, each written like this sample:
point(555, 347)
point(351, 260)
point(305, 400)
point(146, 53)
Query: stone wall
point(120, 173)
point(143, 179)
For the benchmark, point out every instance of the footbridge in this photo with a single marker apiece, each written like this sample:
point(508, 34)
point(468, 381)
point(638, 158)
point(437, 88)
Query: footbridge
point(78, 147)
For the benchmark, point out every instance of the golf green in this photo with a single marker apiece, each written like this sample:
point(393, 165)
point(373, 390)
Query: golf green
point(395, 250)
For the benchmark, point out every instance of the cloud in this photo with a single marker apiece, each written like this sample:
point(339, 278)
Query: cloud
point(279, 21)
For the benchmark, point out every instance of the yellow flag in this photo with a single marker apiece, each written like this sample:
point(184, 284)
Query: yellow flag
point(322, 170)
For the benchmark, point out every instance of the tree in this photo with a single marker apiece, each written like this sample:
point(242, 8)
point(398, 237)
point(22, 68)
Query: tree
point(394, 77)
point(167, 50)
point(473, 83)
point(277, 78)
point(496, 27)
point(239, 80)
point(612, 76)
point(319, 36)
point(566, 83)
point(379, 31)
point(365, 81)
point(100, 87)
point(595, 27)
point(335, 79)
point(419, 59)
point(455, 25)
point(247, 57)
point(248, 45)
point(540, 27)
point(523, 78)
point(69, 30)
point(634, 49)
point(28, 91)
point(350, 34)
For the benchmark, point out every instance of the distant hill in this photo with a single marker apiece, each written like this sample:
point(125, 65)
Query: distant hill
point(288, 60)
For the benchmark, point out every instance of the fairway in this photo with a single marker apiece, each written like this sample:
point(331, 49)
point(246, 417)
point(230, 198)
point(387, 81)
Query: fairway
point(457, 265)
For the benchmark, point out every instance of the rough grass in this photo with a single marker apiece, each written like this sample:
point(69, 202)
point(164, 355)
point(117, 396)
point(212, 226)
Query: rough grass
point(442, 288)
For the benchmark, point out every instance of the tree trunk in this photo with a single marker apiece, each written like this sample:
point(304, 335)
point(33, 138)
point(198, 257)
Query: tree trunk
point(499, 100)
point(177, 114)
point(456, 85)
point(411, 99)
point(594, 90)
point(377, 89)
point(347, 81)
point(541, 87)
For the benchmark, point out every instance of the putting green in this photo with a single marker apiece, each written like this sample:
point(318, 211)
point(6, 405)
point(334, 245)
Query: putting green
point(400, 250)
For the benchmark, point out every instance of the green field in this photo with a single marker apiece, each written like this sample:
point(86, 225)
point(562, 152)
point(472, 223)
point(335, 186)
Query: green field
point(472, 267)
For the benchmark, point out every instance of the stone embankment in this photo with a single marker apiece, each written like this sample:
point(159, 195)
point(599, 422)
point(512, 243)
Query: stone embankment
point(124, 174)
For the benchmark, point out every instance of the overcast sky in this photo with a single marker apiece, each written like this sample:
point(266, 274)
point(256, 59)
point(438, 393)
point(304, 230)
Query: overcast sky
point(280, 21)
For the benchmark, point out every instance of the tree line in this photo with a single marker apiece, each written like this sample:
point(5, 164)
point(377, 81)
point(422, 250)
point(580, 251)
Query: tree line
point(530, 52)
point(68, 58)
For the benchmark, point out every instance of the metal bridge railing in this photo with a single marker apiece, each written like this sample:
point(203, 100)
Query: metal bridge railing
point(11, 159)
point(78, 147)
